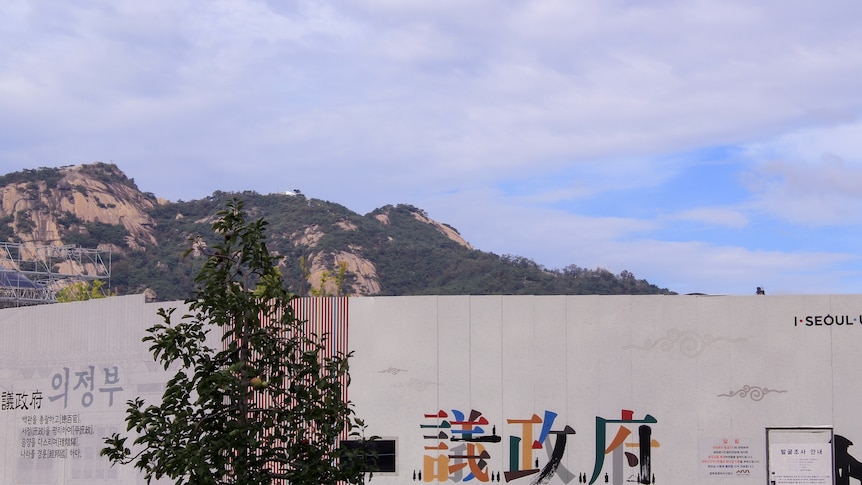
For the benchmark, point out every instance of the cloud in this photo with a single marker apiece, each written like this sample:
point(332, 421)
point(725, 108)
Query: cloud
point(491, 220)
point(569, 132)
point(535, 84)
point(556, 239)
point(811, 177)
point(727, 217)
point(702, 267)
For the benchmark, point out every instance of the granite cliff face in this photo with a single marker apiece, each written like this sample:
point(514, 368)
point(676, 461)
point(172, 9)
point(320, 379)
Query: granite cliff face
point(58, 206)
point(81, 204)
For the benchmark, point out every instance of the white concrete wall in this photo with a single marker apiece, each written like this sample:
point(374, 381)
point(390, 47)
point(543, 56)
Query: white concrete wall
point(713, 372)
point(709, 370)
point(66, 372)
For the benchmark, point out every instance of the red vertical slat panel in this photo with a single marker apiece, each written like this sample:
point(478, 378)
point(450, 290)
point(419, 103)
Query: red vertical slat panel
point(323, 316)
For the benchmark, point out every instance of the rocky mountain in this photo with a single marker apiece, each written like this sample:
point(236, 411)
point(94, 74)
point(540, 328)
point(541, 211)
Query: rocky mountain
point(157, 245)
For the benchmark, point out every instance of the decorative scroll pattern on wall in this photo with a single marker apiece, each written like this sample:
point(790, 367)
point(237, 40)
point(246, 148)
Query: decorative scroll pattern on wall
point(755, 393)
point(392, 370)
point(690, 343)
point(414, 384)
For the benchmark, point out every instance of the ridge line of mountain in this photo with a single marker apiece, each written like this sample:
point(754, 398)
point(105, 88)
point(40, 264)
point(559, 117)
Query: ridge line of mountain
point(327, 248)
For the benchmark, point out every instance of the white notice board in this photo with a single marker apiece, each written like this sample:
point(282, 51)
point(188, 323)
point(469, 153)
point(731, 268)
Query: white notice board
point(799, 456)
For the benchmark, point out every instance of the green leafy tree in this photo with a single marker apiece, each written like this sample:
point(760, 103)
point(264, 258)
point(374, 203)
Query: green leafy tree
point(305, 272)
point(339, 277)
point(25, 224)
point(321, 288)
point(269, 408)
point(83, 290)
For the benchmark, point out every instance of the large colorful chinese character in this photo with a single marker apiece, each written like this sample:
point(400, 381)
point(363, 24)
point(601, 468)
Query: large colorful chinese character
point(465, 461)
point(644, 444)
point(521, 461)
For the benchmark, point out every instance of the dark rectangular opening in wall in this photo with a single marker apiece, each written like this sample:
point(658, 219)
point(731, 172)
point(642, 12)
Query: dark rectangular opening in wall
point(379, 456)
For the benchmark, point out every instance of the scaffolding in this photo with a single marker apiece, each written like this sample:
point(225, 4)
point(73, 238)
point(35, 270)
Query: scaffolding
point(31, 274)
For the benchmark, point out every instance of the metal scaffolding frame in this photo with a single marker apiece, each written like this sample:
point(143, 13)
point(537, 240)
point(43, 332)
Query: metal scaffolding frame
point(31, 274)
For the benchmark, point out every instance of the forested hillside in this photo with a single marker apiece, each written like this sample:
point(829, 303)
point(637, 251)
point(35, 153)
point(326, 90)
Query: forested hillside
point(328, 249)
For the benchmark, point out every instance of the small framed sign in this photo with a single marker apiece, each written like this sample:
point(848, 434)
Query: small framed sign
point(799, 456)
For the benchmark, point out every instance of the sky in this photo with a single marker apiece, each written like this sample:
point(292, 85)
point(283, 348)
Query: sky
point(708, 146)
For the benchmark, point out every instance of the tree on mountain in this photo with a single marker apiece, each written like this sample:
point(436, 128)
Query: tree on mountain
point(83, 290)
point(269, 408)
point(337, 286)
